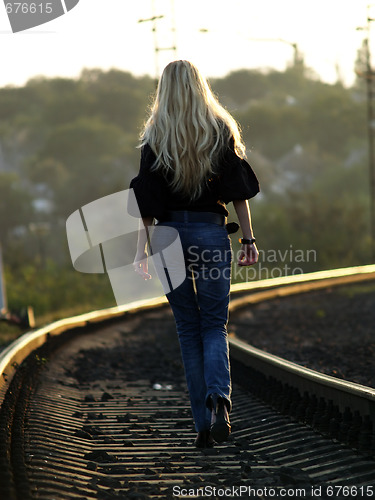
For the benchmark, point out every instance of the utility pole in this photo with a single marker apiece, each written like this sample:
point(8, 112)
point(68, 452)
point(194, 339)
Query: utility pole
point(371, 142)
point(3, 297)
point(157, 49)
point(369, 75)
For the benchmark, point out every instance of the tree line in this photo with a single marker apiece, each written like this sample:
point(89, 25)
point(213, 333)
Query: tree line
point(65, 142)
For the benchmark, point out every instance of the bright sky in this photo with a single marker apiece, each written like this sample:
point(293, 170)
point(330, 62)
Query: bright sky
point(106, 33)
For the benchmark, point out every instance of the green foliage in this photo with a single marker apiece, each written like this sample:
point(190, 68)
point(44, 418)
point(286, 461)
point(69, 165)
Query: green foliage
point(84, 158)
point(241, 87)
point(15, 204)
point(327, 116)
point(273, 129)
point(9, 331)
point(334, 110)
point(120, 98)
point(56, 288)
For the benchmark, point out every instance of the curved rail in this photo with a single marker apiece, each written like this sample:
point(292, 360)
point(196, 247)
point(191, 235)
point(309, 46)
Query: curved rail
point(255, 292)
point(318, 393)
point(18, 350)
point(342, 393)
point(79, 426)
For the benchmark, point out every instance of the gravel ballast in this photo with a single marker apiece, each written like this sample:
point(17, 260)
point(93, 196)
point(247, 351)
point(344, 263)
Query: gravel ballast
point(331, 331)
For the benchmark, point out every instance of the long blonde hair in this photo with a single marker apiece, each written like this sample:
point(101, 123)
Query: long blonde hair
point(188, 129)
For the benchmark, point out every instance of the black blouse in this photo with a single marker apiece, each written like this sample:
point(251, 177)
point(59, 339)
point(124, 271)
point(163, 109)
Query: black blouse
point(234, 180)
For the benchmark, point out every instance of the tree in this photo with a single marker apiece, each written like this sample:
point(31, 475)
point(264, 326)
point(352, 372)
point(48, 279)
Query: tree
point(120, 98)
point(87, 158)
point(15, 205)
point(240, 87)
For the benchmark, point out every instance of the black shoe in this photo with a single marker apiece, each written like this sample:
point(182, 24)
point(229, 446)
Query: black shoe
point(204, 440)
point(220, 424)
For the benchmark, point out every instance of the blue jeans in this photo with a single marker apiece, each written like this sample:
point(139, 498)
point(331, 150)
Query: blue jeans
point(200, 309)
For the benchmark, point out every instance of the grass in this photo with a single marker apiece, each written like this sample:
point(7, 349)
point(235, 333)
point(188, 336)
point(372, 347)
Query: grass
point(9, 332)
point(357, 289)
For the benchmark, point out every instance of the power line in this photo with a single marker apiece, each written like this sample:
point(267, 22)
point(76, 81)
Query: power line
point(157, 48)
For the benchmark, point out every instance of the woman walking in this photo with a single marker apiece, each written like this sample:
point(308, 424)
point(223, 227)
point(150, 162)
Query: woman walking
point(192, 165)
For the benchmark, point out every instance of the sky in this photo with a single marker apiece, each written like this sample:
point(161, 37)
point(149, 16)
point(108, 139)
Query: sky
point(219, 36)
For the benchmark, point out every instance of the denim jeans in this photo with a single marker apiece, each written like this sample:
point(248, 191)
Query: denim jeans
point(200, 309)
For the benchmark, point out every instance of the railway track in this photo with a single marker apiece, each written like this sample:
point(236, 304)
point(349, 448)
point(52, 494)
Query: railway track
point(96, 407)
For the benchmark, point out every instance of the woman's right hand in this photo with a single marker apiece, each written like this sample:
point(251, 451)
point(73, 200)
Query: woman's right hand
point(248, 255)
point(140, 265)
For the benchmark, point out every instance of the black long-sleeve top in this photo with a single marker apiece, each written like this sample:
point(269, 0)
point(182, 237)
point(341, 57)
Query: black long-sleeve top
point(234, 179)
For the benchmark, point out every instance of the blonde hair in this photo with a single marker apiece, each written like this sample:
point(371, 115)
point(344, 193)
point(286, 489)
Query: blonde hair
point(188, 129)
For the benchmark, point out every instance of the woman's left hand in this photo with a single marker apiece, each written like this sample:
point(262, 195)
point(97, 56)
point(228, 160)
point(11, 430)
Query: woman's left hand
point(140, 265)
point(248, 255)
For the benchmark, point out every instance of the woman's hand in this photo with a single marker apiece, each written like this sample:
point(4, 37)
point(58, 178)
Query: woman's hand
point(248, 255)
point(140, 265)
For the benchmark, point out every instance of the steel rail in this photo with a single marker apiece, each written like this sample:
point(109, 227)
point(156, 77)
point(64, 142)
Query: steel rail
point(344, 394)
point(17, 351)
point(79, 442)
point(299, 283)
point(255, 292)
point(348, 397)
